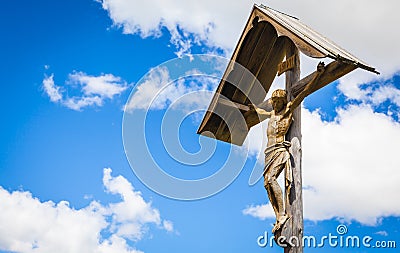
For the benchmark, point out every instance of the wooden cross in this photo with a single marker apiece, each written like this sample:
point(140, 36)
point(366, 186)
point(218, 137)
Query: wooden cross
point(268, 39)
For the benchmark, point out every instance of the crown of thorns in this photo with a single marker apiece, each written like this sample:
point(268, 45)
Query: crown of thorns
point(278, 94)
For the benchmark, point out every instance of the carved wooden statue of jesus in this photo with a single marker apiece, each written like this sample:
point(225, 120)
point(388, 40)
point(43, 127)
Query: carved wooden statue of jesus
point(277, 156)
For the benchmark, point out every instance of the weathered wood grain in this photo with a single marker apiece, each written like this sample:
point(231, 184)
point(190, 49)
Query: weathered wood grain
point(333, 71)
point(293, 199)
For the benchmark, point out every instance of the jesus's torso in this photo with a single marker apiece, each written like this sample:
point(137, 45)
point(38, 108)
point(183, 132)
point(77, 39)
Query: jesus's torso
point(277, 128)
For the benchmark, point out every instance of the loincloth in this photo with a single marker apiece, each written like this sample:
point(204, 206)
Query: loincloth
point(278, 155)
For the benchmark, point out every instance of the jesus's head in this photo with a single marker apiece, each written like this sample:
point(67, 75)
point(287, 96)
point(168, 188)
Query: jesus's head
point(279, 100)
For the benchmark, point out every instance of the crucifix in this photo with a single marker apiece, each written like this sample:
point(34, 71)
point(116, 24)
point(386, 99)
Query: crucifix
point(270, 45)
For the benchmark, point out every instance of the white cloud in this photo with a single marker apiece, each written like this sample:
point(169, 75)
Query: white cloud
point(374, 94)
point(384, 93)
point(130, 214)
point(29, 225)
point(260, 211)
point(254, 142)
point(93, 89)
point(364, 28)
point(349, 167)
point(188, 22)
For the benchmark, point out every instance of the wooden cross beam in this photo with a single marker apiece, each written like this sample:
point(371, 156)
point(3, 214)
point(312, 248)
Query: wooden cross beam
point(333, 71)
point(293, 195)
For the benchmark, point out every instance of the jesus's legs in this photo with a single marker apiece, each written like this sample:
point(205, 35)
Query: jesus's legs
point(275, 194)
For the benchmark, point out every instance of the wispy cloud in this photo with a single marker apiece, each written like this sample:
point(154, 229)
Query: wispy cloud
point(375, 93)
point(382, 233)
point(29, 225)
point(106, 85)
point(147, 91)
point(77, 103)
point(92, 90)
point(159, 91)
point(53, 91)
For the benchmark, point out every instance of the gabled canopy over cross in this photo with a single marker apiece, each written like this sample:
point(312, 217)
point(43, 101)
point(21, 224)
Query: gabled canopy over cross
point(267, 39)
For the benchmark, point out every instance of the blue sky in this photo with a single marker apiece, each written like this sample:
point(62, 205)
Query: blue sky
point(70, 67)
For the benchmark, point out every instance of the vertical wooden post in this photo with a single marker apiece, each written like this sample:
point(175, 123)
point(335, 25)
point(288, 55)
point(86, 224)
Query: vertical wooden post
point(293, 230)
